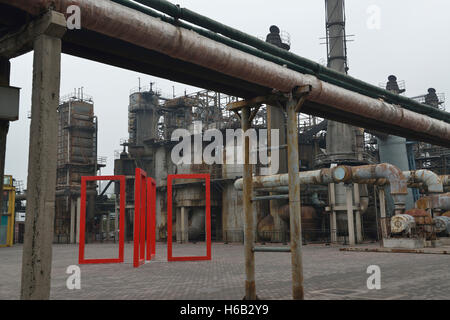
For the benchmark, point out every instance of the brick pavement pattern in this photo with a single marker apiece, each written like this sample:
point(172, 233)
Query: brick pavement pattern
point(329, 274)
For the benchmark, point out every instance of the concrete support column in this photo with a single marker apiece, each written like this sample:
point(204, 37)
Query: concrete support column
point(39, 227)
point(333, 216)
point(72, 220)
point(184, 226)
point(249, 232)
point(78, 220)
point(350, 219)
point(116, 220)
point(358, 221)
point(294, 200)
point(382, 196)
point(5, 71)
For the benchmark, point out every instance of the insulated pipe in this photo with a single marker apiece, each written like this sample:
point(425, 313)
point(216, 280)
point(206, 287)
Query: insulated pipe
point(416, 179)
point(129, 25)
point(361, 175)
point(441, 201)
point(431, 180)
point(318, 177)
point(445, 180)
point(387, 171)
point(322, 72)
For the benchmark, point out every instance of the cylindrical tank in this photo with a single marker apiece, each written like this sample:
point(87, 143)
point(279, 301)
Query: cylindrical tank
point(402, 223)
point(442, 225)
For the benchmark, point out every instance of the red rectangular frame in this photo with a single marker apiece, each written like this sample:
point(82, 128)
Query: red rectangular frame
point(207, 179)
point(151, 218)
point(140, 195)
point(81, 259)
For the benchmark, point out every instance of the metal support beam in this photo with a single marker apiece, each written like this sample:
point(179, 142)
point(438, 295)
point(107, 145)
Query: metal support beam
point(292, 108)
point(37, 248)
point(5, 70)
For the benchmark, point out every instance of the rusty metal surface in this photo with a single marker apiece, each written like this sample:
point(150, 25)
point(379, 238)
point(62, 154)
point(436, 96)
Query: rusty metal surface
point(402, 223)
point(438, 201)
point(428, 178)
point(420, 216)
point(387, 171)
point(317, 177)
point(122, 23)
point(442, 224)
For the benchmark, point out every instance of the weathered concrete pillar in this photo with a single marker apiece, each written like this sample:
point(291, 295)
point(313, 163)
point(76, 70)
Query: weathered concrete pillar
point(382, 196)
point(184, 226)
point(78, 220)
point(73, 218)
point(350, 219)
point(358, 221)
point(249, 228)
point(333, 216)
point(5, 71)
point(39, 228)
point(294, 200)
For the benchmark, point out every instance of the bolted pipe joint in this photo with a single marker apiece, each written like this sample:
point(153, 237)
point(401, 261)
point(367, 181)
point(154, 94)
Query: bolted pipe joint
point(396, 178)
point(431, 180)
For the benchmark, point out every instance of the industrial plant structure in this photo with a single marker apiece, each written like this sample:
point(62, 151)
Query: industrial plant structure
point(357, 162)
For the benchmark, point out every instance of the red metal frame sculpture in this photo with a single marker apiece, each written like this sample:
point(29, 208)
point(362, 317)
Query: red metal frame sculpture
point(81, 259)
point(151, 218)
point(140, 195)
point(207, 179)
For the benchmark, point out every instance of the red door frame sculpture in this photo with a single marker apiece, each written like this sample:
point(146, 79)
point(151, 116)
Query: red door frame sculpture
point(151, 218)
point(207, 179)
point(81, 259)
point(140, 195)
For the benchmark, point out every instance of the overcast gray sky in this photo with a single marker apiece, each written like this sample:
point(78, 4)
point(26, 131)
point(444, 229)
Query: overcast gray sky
point(412, 43)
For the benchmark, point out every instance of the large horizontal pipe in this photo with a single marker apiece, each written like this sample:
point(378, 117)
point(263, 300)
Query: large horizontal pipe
point(361, 175)
point(318, 177)
point(311, 67)
point(416, 179)
point(428, 178)
point(129, 25)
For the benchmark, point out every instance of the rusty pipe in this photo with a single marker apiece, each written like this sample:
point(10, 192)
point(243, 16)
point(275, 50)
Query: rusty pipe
point(435, 202)
point(394, 175)
point(431, 180)
point(445, 180)
point(369, 174)
point(317, 177)
point(120, 22)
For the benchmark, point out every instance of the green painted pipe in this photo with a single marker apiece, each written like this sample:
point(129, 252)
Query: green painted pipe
point(269, 52)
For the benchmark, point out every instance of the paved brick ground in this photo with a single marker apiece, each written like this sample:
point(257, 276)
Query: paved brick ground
point(329, 274)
